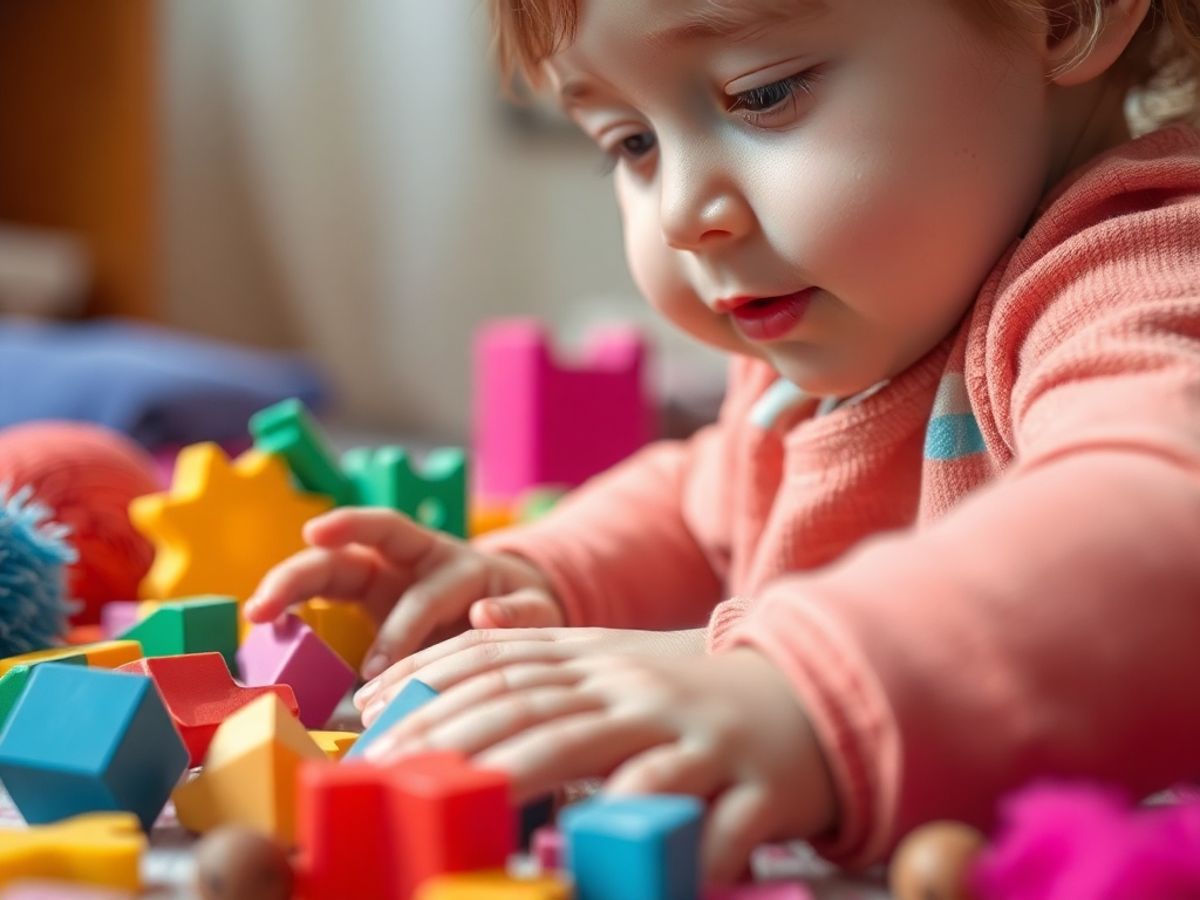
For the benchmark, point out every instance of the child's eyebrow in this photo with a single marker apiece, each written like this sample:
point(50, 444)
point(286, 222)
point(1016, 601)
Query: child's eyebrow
point(734, 19)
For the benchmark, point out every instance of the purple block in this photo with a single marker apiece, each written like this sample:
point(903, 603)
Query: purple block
point(547, 848)
point(118, 616)
point(778, 891)
point(291, 653)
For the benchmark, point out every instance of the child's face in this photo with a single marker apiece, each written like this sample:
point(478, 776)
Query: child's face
point(883, 153)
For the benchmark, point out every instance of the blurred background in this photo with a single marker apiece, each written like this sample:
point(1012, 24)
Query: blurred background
point(338, 183)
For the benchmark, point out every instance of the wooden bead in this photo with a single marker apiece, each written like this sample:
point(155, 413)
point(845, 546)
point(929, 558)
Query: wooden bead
point(237, 863)
point(934, 863)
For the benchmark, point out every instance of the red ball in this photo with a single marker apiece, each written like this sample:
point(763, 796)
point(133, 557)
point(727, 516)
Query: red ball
point(86, 475)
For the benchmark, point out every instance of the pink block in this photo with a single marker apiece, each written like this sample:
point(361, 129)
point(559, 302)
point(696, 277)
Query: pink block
point(782, 890)
point(537, 422)
point(547, 847)
point(117, 617)
point(291, 653)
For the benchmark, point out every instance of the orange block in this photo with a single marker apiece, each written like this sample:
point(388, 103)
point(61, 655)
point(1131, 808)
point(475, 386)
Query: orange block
point(334, 744)
point(97, 848)
point(104, 655)
point(493, 885)
point(346, 627)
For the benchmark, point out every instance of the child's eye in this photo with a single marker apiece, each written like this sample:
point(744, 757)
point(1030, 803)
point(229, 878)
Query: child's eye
point(630, 148)
point(774, 96)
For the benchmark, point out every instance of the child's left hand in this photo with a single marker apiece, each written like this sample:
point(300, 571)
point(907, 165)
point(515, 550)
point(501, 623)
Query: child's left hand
point(727, 728)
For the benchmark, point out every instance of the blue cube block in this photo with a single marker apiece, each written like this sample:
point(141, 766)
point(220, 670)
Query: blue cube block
point(87, 740)
point(415, 695)
point(634, 848)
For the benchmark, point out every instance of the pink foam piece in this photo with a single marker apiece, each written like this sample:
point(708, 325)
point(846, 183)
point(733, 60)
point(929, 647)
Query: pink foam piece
point(289, 652)
point(547, 847)
point(118, 616)
point(538, 422)
point(781, 890)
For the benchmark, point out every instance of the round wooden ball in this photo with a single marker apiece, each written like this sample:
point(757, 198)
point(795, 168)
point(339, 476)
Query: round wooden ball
point(237, 863)
point(934, 863)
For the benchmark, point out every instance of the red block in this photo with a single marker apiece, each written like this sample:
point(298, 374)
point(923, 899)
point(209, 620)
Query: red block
point(200, 694)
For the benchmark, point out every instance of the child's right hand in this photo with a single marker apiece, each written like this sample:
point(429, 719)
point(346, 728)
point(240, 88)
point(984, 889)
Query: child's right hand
point(422, 585)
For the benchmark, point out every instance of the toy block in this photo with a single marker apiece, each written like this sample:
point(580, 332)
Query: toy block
point(118, 616)
point(415, 695)
point(345, 626)
point(487, 517)
point(334, 744)
point(87, 740)
point(620, 848)
point(781, 891)
point(496, 885)
point(547, 848)
point(539, 423)
point(249, 775)
point(435, 496)
point(287, 430)
point(289, 652)
point(222, 525)
point(84, 634)
point(98, 848)
point(14, 681)
point(200, 694)
point(105, 655)
point(194, 625)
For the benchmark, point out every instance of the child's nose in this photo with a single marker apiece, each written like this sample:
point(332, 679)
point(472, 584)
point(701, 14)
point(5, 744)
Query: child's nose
point(699, 208)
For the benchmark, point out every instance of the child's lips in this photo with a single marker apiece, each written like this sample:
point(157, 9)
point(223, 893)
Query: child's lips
point(768, 318)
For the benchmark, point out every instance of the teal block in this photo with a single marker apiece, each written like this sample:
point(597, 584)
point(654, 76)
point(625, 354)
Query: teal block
point(435, 496)
point(634, 848)
point(415, 695)
point(13, 682)
point(287, 429)
point(89, 740)
point(192, 625)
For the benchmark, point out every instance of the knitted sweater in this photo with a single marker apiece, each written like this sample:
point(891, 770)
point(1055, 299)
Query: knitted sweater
point(986, 571)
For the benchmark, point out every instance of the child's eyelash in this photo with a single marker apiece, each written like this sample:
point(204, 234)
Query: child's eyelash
point(761, 99)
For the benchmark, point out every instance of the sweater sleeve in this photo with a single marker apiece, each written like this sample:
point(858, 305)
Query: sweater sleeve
point(1047, 625)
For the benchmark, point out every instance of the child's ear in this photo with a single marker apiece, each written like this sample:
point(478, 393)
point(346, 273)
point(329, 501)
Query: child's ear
point(1065, 33)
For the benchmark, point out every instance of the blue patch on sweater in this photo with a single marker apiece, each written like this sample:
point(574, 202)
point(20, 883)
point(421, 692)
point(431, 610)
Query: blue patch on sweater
point(953, 436)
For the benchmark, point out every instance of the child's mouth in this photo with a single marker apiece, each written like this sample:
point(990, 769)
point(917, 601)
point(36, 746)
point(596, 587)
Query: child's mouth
point(771, 318)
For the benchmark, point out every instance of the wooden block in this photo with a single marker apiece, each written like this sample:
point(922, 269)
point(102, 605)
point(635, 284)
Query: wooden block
point(97, 848)
point(495, 885)
point(104, 655)
point(434, 495)
point(200, 694)
point(193, 625)
point(249, 775)
point(345, 626)
point(222, 526)
point(537, 422)
point(334, 744)
point(288, 431)
point(289, 652)
point(87, 740)
point(415, 695)
point(621, 847)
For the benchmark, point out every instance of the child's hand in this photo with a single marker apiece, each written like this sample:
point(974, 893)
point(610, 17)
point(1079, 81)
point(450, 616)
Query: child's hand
point(477, 652)
point(422, 585)
point(727, 727)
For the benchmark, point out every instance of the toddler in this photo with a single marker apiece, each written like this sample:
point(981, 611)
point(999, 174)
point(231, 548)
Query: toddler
point(945, 536)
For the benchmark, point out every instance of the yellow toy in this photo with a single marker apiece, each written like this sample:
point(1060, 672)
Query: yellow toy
point(334, 744)
point(493, 886)
point(104, 655)
point(97, 848)
point(346, 627)
point(249, 775)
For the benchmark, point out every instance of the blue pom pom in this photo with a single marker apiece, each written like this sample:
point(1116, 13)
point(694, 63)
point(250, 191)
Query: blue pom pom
point(33, 557)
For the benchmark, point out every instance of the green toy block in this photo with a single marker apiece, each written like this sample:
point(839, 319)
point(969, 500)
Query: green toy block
point(193, 625)
point(287, 429)
point(436, 496)
point(12, 684)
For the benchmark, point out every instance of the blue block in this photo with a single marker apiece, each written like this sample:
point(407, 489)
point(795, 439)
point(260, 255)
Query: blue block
point(88, 740)
point(634, 848)
point(415, 695)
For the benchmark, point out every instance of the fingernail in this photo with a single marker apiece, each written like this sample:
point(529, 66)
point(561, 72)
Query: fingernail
point(374, 666)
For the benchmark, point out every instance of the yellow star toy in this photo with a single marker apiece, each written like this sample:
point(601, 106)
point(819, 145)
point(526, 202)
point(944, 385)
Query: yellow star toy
point(222, 526)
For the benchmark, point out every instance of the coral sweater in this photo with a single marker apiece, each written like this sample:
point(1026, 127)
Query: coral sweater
point(988, 570)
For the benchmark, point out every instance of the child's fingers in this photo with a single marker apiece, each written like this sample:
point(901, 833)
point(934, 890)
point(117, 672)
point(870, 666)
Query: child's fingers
point(670, 769)
point(528, 608)
point(398, 538)
point(315, 572)
point(738, 821)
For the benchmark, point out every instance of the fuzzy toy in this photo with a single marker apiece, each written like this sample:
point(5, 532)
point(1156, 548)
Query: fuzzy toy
point(1066, 842)
point(33, 556)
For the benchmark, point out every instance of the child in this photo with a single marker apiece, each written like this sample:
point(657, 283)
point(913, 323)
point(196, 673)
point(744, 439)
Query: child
point(954, 490)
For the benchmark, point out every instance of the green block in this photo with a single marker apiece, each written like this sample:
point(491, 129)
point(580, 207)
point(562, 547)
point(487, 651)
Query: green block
point(12, 684)
point(286, 429)
point(193, 625)
point(436, 496)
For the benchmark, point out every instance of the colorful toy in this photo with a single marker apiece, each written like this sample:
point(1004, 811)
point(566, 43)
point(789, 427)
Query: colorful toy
point(935, 862)
point(485, 517)
point(546, 844)
point(105, 655)
point(33, 607)
point(497, 885)
point(334, 744)
point(86, 476)
point(235, 863)
point(345, 626)
point(646, 847)
point(415, 695)
point(118, 616)
point(14, 681)
point(537, 423)
point(85, 740)
point(194, 625)
point(287, 430)
point(222, 526)
point(290, 653)
point(200, 694)
point(249, 775)
point(98, 848)
point(435, 496)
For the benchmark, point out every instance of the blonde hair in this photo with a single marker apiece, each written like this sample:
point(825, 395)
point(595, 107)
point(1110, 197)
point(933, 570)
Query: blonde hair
point(1161, 66)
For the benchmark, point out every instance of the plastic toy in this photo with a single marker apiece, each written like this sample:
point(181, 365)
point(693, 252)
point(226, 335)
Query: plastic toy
point(194, 625)
point(200, 694)
point(105, 655)
point(415, 695)
point(289, 652)
point(86, 475)
point(546, 844)
point(87, 740)
point(497, 885)
point(98, 848)
point(335, 744)
point(345, 626)
point(538, 423)
point(14, 681)
point(33, 606)
point(288, 431)
point(435, 496)
point(236, 863)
